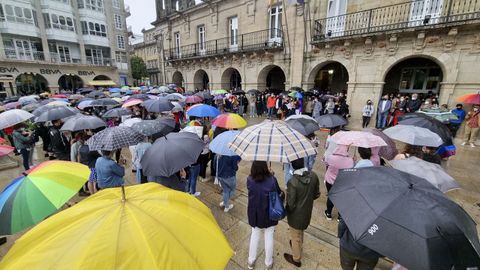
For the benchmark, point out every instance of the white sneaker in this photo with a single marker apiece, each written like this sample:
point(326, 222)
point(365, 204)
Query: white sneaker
point(472, 145)
point(197, 194)
point(221, 204)
point(463, 143)
point(228, 208)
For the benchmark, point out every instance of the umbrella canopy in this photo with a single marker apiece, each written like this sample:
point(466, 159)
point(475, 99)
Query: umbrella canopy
point(219, 92)
point(12, 105)
point(149, 227)
point(75, 97)
point(388, 152)
point(305, 125)
point(404, 217)
point(198, 130)
point(104, 102)
point(95, 94)
point(425, 121)
point(151, 127)
point(414, 135)
point(358, 138)
point(130, 122)
point(85, 103)
point(83, 122)
point(168, 125)
point(204, 94)
point(331, 121)
point(58, 103)
point(30, 198)
point(432, 172)
point(193, 99)
point(253, 91)
point(116, 112)
point(203, 110)
point(114, 90)
point(28, 99)
point(470, 98)
point(13, 117)
point(114, 138)
point(56, 113)
point(5, 150)
point(159, 105)
point(272, 141)
point(229, 121)
point(177, 107)
point(175, 97)
point(220, 144)
point(440, 115)
point(139, 96)
point(132, 102)
point(171, 153)
point(238, 92)
point(164, 89)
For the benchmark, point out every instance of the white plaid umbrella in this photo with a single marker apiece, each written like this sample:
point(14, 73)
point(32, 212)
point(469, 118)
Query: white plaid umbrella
point(272, 141)
point(114, 138)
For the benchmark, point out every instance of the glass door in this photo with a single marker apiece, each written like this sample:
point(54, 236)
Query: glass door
point(275, 27)
point(201, 39)
point(335, 23)
point(23, 50)
point(425, 12)
point(233, 33)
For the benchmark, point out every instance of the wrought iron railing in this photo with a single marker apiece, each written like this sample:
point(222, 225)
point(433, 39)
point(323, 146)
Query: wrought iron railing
point(260, 40)
point(412, 14)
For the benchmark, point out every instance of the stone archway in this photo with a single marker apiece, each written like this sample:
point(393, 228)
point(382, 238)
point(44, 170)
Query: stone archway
point(70, 82)
point(201, 81)
point(271, 77)
point(102, 78)
point(331, 76)
point(30, 83)
point(177, 78)
point(231, 79)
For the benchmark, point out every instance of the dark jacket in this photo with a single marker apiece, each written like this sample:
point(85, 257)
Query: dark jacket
point(413, 105)
point(59, 144)
point(227, 166)
point(258, 205)
point(301, 192)
point(173, 181)
point(88, 157)
point(351, 246)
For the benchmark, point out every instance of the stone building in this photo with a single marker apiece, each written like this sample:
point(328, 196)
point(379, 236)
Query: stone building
point(147, 49)
point(62, 44)
point(364, 48)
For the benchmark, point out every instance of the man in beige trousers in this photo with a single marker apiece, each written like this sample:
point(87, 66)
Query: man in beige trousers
point(472, 126)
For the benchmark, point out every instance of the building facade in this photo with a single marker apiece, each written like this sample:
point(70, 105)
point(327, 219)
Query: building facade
point(363, 48)
point(146, 48)
point(51, 45)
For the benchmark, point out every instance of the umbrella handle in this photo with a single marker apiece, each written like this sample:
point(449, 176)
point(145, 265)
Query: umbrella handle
point(124, 199)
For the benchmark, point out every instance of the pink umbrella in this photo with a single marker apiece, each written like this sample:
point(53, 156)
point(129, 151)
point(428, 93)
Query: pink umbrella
point(132, 102)
point(358, 138)
point(388, 152)
point(12, 105)
point(5, 150)
point(193, 99)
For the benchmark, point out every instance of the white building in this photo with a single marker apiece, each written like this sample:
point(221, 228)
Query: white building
point(62, 44)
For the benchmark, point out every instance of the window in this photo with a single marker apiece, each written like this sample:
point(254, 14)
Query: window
point(2, 14)
point(59, 22)
point(120, 42)
point(176, 36)
point(233, 31)
point(118, 21)
point(16, 14)
point(22, 49)
point(84, 25)
point(94, 29)
point(121, 57)
point(63, 1)
point(94, 56)
point(201, 38)
point(420, 79)
point(64, 54)
point(96, 5)
point(275, 22)
point(116, 3)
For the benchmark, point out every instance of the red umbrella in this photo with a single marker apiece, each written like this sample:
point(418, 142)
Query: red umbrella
point(5, 150)
point(470, 98)
point(59, 96)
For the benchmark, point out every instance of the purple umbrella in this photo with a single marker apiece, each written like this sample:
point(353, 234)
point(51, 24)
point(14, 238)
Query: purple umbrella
point(193, 99)
point(388, 152)
point(219, 97)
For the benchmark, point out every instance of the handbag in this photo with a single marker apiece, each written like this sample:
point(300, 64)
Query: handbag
point(276, 210)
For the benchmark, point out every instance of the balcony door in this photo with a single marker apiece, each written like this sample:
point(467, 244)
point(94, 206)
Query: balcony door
point(23, 49)
point(335, 22)
point(201, 39)
point(178, 52)
point(233, 33)
point(425, 12)
point(275, 25)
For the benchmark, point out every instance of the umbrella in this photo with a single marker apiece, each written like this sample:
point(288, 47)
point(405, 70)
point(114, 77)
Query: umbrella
point(414, 135)
point(104, 102)
point(139, 96)
point(75, 97)
point(219, 145)
point(31, 107)
point(358, 138)
point(13, 117)
point(59, 96)
point(405, 218)
point(175, 97)
point(229, 121)
point(305, 125)
point(442, 116)
point(125, 88)
point(58, 103)
point(432, 172)
point(272, 141)
point(219, 92)
point(114, 90)
point(114, 138)
point(30, 198)
point(425, 121)
point(388, 152)
point(116, 112)
point(159, 106)
point(193, 99)
point(470, 98)
point(203, 110)
point(154, 91)
point(5, 150)
point(204, 94)
point(83, 122)
point(95, 94)
point(131, 102)
point(85, 90)
point(253, 92)
point(130, 122)
point(217, 97)
point(238, 92)
point(177, 107)
point(56, 113)
point(171, 153)
point(140, 227)
point(197, 130)
point(168, 125)
point(331, 121)
point(163, 89)
point(28, 99)
point(12, 105)
point(151, 127)
point(84, 104)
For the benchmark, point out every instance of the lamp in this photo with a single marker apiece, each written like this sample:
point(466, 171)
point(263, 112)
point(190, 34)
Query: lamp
point(426, 20)
point(330, 71)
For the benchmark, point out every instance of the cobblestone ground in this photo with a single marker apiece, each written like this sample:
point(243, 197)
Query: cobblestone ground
point(320, 244)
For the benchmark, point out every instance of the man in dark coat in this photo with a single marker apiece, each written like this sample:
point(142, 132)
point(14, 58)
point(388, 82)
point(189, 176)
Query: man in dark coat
point(60, 145)
point(302, 189)
point(413, 104)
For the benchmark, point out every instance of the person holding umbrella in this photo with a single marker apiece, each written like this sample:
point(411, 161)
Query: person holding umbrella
point(59, 142)
point(140, 150)
point(89, 158)
point(472, 126)
point(23, 143)
point(109, 173)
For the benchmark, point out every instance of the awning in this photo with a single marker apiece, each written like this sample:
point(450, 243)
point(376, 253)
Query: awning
point(102, 83)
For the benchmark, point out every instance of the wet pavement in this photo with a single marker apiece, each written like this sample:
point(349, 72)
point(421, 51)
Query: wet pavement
point(320, 243)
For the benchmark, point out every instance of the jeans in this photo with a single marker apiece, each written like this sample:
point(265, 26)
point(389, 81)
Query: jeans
point(382, 119)
point(287, 172)
point(229, 185)
point(192, 180)
point(348, 261)
point(252, 110)
point(26, 158)
point(141, 179)
point(270, 112)
point(255, 239)
point(309, 162)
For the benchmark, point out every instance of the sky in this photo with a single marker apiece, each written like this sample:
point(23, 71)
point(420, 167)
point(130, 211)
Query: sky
point(143, 13)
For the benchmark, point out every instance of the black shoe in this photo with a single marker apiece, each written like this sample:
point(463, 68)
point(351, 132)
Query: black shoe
point(3, 240)
point(82, 193)
point(289, 258)
point(328, 216)
point(46, 155)
point(17, 154)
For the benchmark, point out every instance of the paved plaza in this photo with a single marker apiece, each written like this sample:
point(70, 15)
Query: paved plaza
point(320, 244)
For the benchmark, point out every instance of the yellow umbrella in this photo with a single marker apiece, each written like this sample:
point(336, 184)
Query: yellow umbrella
point(153, 228)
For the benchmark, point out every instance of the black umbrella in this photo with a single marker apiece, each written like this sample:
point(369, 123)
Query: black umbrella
point(171, 153)
point(104, 102)
point(114, 138)
point(116, 113)
point(331, 121)
point(139, 96)
point(85, 90)
point(238, 92)
point(155, 128)
point(95, 94)
point(168, 125)
point(296, 88)
point(305, 125)
point(404, 217)
point(83, 122)
point(56, 113)
point(204, 94)
point(430, 123)
point(158, 106)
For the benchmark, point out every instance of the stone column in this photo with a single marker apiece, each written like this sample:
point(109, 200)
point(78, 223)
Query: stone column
point(357, 95)
point(446, 93)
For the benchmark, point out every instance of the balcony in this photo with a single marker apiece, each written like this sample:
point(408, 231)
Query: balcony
point(98, 61)
point(24, 55)
point(270, 39)
point(400, 17)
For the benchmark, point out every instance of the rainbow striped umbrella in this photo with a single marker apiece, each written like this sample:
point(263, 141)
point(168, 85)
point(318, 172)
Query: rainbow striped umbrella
point(229, 121)
point(43, 190)
point(470, 98)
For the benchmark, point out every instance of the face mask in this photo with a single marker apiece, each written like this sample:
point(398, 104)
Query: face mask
point(459, 108)
point(475, 109)
point(369, 103)
point(414, 98)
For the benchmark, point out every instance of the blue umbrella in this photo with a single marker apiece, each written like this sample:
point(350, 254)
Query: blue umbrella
point(116, 95)
point(203, 110)
point(86, 103)
point(114, 90)
point(219, 145)
point(298, 95)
